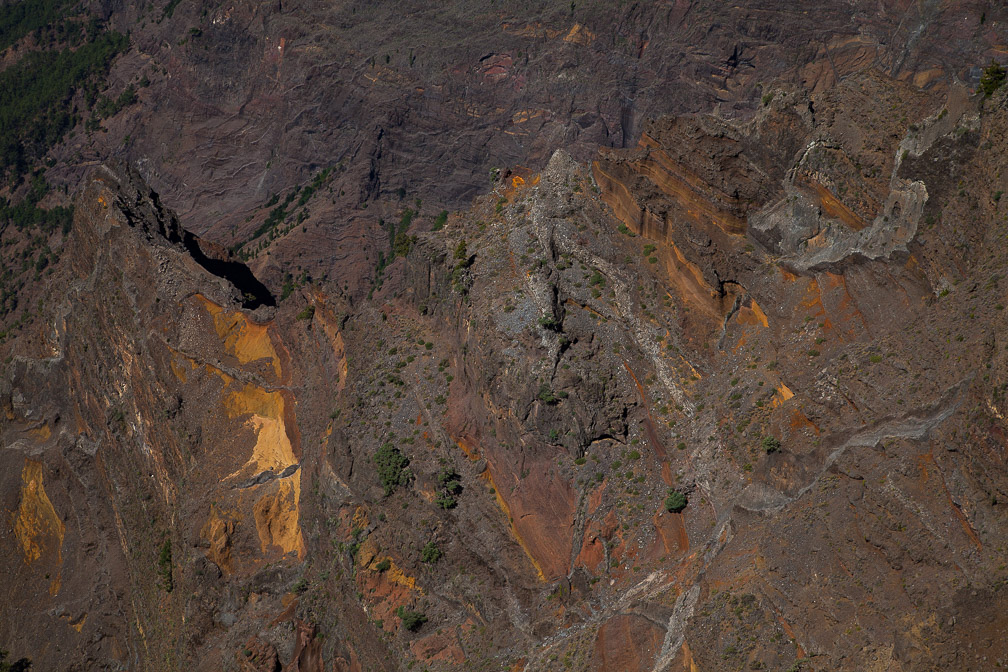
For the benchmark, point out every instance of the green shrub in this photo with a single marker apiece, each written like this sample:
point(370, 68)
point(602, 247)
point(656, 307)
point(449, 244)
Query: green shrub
point(549, 323)
point(770, 444)
point(392, 467)
point(450, 487)
point(440, 220)
point(430, 553)
point(384, 565)
point(546, 395)
point(306, 314)
point(993, 78)
point(403, 243)
point(675, 501)
point(406, 219)
point(411, 620)
point(165, 566)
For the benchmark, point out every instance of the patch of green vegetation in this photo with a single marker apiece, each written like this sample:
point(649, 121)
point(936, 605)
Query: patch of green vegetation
point(37, 94)
point(430, 553)
point(992, 79)
point(392, 467)
point(306, 314)
point(770, 444)
point(797, 665)
point(17, 19)
point(549, 323)
point(546, 395)
point(169, 9)
point(276, 215)
point(449, 488)
point(411, 620)
point(43, 95)
point(384, 565)
point(675, 501)
point(403, 244)
point(440, 221)
point(108, 107)
point(314, 186)
point(165, 566)
point(283, 213)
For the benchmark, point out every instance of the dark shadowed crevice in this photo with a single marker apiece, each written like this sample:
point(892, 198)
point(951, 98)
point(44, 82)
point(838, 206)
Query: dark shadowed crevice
point(254, 293)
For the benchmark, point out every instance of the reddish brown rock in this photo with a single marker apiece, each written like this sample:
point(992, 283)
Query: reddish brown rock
point(627, 642)
point(258, 656)
point(438, 649)
point(307, 650)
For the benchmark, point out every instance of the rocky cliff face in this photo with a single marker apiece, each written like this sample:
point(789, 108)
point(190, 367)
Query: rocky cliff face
point(725, 393)
point(264, 96)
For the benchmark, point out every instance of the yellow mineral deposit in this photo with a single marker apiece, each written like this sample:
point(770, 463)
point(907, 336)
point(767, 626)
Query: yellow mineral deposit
point(579, 35)
point(36, 524)
point(241, 337)
point(502, 503)
point(276, 518)
point(77, 625)
point(217, 533)
point(783, 394)
point(273, 448)
point(368, 557)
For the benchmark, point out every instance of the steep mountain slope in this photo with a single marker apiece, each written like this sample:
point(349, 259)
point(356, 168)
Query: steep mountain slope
point(729, 396)
point(251, 100)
